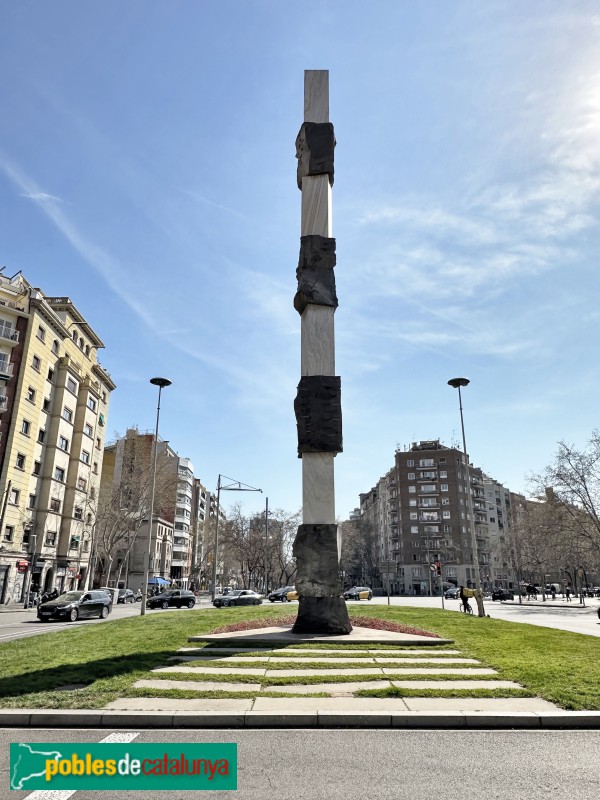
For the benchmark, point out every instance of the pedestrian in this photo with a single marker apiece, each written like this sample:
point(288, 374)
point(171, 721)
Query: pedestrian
point(568, 594)
point(463, 598)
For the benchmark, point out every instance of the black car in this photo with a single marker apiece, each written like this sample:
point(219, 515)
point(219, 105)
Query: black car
point(280, 594)
point(358, 593)
point(173, 598)
point(502, 594)
point(239, 597)
point(75, 605)
point(126, 596)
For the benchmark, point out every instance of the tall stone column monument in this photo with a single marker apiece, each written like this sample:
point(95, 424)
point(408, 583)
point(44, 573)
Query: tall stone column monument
point(322, 608)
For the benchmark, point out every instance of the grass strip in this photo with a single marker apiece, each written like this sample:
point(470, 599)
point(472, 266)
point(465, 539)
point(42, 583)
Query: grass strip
point(397, 692)
point(107, 658)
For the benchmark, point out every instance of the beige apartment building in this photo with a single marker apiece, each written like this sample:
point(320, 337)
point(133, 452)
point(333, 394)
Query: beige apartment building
point(54, 399)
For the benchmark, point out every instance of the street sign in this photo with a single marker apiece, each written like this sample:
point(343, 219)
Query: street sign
point(432, 567)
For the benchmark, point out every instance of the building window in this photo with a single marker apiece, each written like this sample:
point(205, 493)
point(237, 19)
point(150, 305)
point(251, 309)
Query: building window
point(98, 444)
point(71, 385)
point(104, 397)
point(46, 404)
point(95, 468)
point(31, 501)
point(41, 435)
point(50, 540)
point(63, 443)
point(9, 533)
point(412, 502)
point(67, 414)
point(412, 489)
point(444, 487)
point(87, 350)
point(414, 515)
point(14, 497)
point(414, 528)
point(411, 476)
point(443, 473)
point(59, 474)
point(25, 427)
point(446, 514)
point(78, 512)
point(410, 463)
point(30, 394)
point(81, 484)
point(441, 460)
point(91, 403)
point(85, 456)
point(445, 501)
point(88, 430)
point(55, 504)
point(41, 333)
point(55, 347)
point(36, 363)
point(75, 335)
point(426, 462)
point(37, 466)
point(50, 374)
point(89, 519)
point(20, 462)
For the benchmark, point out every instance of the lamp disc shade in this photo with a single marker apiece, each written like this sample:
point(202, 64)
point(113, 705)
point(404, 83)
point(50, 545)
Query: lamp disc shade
point(456, 382)
point(162, 382)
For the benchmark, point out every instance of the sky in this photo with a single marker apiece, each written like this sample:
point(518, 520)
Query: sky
point(148, 172)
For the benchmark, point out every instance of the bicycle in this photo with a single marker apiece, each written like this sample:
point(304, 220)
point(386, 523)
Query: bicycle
point(466, 609)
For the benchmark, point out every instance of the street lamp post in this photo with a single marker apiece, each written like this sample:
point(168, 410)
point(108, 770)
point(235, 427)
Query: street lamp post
point(456, 383)
point(162, 383)
point(266, 543)
point(233, 486)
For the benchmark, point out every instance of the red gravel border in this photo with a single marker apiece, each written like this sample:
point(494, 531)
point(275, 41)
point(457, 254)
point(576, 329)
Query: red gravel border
point(363, 622)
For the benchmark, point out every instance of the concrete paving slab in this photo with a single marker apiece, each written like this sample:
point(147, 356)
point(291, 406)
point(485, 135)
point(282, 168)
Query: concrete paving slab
point(486, 704)
point(286, 673)
point(282, 635)
point(456, 685)
point(212, 670)
point(344, 689)
point(412, 652)
point(198, 686)
point(209, 706)
point(426, 660)
point(439, 671)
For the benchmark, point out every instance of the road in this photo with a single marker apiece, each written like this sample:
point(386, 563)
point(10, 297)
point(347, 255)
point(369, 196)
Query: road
point(383, 765)
point(21, 624)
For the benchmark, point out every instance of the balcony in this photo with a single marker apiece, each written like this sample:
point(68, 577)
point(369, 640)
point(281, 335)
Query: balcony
point(6, 369)
point(9, 335)
point(3, 403)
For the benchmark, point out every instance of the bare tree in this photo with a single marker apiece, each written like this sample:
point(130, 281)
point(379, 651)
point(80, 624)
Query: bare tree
point(360, 557)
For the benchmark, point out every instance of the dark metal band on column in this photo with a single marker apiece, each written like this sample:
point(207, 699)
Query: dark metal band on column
point(314, 150)
point(318, 408)
point(316, 279)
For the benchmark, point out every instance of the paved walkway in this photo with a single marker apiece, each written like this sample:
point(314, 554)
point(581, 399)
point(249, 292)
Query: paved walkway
point(282, 685)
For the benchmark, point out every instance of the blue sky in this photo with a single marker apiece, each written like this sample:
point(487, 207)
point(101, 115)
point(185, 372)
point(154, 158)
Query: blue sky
point(147, 171)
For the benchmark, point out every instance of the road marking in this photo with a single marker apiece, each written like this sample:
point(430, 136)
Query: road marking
point(52, 794)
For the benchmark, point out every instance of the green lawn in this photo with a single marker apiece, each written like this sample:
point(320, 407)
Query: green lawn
point(104, 660)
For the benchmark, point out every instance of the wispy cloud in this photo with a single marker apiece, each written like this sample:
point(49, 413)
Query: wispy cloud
point(41, 197)
point(201, 199)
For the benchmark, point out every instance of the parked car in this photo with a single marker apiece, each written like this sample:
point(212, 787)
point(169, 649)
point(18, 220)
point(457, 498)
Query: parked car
point(452, 594)
point(110, 591)
point(502, 594)
point(126, 596)
point(281, 594)
point(76, 605)
point(358, 593)
point(238, 597)
point(292, 595)
point(172, 598)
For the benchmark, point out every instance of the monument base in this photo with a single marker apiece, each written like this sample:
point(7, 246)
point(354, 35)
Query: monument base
point(322, 615)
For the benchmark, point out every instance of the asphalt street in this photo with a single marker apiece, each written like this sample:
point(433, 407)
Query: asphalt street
point(370, 764)
point(19, 624)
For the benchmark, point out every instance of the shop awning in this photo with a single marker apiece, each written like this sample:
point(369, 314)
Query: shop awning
point(158, 581)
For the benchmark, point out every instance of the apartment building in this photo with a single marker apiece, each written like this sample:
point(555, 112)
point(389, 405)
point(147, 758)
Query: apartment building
point(420, 513)
point(54, 400)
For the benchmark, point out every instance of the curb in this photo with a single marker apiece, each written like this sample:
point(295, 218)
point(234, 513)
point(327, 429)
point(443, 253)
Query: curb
point(518, 720)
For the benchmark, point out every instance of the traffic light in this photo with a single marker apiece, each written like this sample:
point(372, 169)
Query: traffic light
point(438, 567)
